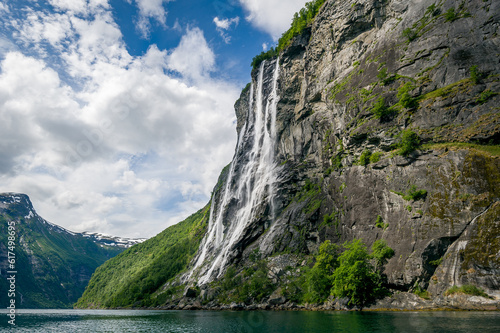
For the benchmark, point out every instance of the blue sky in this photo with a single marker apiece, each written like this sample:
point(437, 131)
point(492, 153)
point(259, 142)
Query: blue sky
point(116, 116)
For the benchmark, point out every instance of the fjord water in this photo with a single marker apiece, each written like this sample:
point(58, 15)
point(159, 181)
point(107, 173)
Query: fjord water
point(97, 321)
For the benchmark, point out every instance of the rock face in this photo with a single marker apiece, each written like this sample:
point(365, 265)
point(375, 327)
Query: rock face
point(432, 68)
point(53, 264)
point(379, 121)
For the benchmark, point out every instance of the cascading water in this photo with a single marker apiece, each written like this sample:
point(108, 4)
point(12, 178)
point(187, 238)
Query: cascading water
point(252, 185)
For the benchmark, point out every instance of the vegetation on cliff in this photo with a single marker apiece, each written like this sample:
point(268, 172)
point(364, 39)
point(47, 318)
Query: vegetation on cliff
point(352, 273)
point(300, 21)
point(133, 277)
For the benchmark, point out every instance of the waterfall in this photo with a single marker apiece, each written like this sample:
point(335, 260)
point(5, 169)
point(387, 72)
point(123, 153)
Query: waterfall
point(250, 181)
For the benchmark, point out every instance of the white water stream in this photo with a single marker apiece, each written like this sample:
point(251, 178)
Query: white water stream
point(253, 184)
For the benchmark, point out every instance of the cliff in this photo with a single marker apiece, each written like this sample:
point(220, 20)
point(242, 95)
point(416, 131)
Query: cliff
point(380, 120)
point(53, 264)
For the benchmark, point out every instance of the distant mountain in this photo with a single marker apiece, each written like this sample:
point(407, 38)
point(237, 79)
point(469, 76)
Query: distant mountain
point(112, 240)
point(53, 264)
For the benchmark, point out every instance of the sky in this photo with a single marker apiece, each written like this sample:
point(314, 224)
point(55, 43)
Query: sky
point(116, 116)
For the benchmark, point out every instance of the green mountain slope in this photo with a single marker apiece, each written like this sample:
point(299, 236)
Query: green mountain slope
point(53, 265)
point(134, 277)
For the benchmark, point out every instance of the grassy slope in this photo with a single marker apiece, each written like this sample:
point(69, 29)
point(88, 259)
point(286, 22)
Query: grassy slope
point(131, 278)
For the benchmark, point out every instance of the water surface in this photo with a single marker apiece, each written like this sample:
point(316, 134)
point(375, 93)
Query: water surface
point(249, 321)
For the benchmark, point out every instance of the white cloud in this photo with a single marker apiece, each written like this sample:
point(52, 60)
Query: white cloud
point(150, 9)
point(272, 16)
point(40, 27)
point(223, 25)
point(75, 6)
point(193, 58)
point(105, 141)
point(84, 7)
point(6, 46)
point(4, 7)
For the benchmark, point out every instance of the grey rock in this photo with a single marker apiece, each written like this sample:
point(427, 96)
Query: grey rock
point(277, 300)
point(324, 123)
point(190, 293)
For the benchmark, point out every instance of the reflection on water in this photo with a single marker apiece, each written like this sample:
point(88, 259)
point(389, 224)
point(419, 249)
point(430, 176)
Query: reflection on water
point(249, 321)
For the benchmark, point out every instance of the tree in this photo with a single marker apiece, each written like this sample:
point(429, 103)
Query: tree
point(409, 142)
point(364, 159)
point(380, 110)
point(381, 253)
point(355, 277)
point(319, 278)
point(327, 257)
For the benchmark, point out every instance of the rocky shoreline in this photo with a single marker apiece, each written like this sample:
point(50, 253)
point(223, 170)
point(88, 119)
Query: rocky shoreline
point(399, 301)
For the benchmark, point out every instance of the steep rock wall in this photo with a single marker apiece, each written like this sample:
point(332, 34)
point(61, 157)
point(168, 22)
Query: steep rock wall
point(330, 79)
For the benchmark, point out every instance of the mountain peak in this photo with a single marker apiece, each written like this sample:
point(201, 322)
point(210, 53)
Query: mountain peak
point(56, 263)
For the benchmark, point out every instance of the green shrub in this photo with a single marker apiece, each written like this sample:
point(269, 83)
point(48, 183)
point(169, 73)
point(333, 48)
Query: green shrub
point(436, 262)
point(405, 99)
point(467, 289)
point(475, 74)
point(409, 142)
point(421, 293)
point(413, 194)
point(451, 15)
point(375, 157)
point(380, 110)
point(364, 159)
point(384, 76)
point(258, 59)
point(229, 281)
point(337, 161)
point(300, 21)
point(349, 274)
point(433, 10)
point(294, 289)
point(355, 277)
point(333, 218)
point(464, 196)
point(410, 34)
point(381, 253)
point(247, 87)
point(319, 278)
point(254, 255)
point(379, 223)
point(256, 288)
point(252, 285)
point(329, 171)
point(484, 96)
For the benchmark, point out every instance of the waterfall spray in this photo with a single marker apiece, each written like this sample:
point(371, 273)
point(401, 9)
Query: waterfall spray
point(253, 184)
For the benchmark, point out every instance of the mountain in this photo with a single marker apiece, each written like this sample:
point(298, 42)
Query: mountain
point(53, 264)
point(108, 240)
point(373, 124)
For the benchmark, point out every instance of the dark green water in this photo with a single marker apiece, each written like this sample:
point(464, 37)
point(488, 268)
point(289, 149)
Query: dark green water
point(248, 321)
